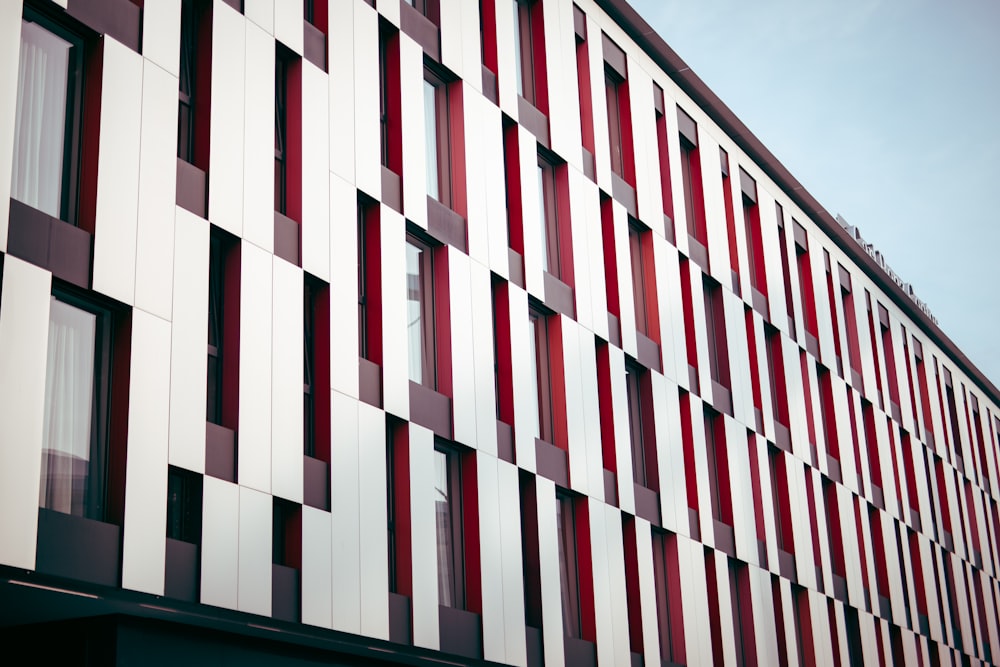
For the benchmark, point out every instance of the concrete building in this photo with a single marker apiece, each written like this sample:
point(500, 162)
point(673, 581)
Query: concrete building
point(442, 332)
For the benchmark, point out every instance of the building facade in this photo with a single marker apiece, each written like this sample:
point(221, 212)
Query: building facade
point(513, 346)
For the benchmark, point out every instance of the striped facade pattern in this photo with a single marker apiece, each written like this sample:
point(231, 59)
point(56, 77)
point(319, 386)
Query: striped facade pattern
point(816, 480)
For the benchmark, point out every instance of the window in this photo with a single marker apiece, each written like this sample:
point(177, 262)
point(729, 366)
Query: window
point(529, 53)
point(754, 239)
point(223, 329)
point(286, 533)
point(806, 292)
point(718, 467)
point(429, 8)
point(583, 86)
point(727, 199)
point(694, 199)
point(389, 99)
point(47, 127)
point(640, 422)
point(287, 133)
point(531, 570)
point(316, 368)
point(619, 112)
point(448, 523)
point(776, 375)
point(553, 217)
point(779, 499)
point(74, 430)
point(194, 85)
point(667, 581)
point(568, 570)
point(184, 489)
point(438, 138)
point(541, 371)
point(715, 326)
point(644, 299)
point(420, 311)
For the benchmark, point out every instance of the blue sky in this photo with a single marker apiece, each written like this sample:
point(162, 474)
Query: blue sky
point(888, 112)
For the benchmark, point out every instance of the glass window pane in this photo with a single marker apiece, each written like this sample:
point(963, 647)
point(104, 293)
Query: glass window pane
point(39, 129)
point(69, 408)
point(414, 311)
point(518, 54)
point(431, 138)
point(443, 519)
point(536, 384)
point(543, 222)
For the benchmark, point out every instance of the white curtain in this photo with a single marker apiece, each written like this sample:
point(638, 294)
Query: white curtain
point(40, 124)
point(69, 393)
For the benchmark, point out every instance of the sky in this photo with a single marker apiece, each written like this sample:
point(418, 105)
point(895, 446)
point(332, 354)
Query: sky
point(888, 112)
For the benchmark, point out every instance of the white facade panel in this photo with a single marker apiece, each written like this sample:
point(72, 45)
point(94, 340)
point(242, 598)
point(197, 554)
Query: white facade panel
point(254, 567)
point(560, 63)
point(575, 425)
point(491, 558)
point(260, 12)
point(510, 552)
point(373, 540)
point(482, 343)
point(316, 194)
point(367, 162)
point(623, 438)
point(143, 545)
point(286, 381)
point(476, 168)
point(548, 567)
point(10, 47)
point(531, 222)
point(463, 377)
point(220, 543)
point(24, 335)
point(254, 436)
point(492, 167)
point(188, 342)
point(118, 173)
point(520, 355)
point(225, 177)
point(288, 24)
point(423, 529)
point(340, 49)
point(161, 35)
point(345, 493)
point(154, 252)
point(317, 567)
point(343, 286)
point(258, 139)
point(395, 350)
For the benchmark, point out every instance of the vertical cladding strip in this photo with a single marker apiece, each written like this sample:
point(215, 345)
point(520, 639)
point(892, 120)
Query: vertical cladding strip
point(694, 602)
point(424, 543)
point(740, 491)
point(647, 590)
point(616, 578)
point(225, 181)
point(373, 519)
point(588, 232)
point(623, 438)
point(143, 550)
point(286, 381)
point(340, 43)
point(608, 599)
point(316, 190)
point(463, 380)
point(490, 138)
point(344, 288)
point(453, 36)
point(665, 269)
point(24, 335)
point(161, 32)
point(254, 566)
point(548, 559)
point(670, 455)
point(367, 166)
point(477, 160)
point(154, 255)
point(317, 567)
point(258, 138)
point(10, 46)
point(411, 83)
point(188, 340)
point(491, 552)
point(395, 364)
point(118, 173)
point(506, 58)
point(220, 544)
point(649, 195)
point(509, 549)
point(592, 463)
point(483, 358)
point(579, 197)
point(345, 496)
point(288, 23)
point(572, 333)
point(260, 12)
point(533, 225)
point(563, 94)
point(254, 459)
point(520, 352)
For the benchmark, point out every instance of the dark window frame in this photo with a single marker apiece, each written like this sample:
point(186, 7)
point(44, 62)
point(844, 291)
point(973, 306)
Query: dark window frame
point(538, 321)
point(456, 516)
point(428, 311)
point(569, 565)
point(442, 124)
point(184, 505)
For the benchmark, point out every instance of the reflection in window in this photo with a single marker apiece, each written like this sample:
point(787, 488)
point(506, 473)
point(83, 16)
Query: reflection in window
point(448, 521)
point(420, 312)
point(44, 117)
point(570, 585)
point(71, 463)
